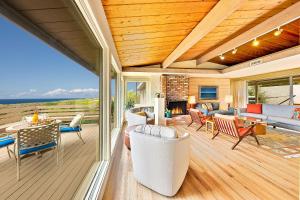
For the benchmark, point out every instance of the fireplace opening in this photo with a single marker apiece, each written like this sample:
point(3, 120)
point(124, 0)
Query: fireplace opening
point(178, 107)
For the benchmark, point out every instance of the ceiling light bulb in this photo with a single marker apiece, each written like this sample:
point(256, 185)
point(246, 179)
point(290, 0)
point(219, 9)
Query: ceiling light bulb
point(222, 57)
point(234, 51)
point(278, 31)
point(255, 42)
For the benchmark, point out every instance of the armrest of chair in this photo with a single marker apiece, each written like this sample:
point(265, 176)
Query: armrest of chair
point(204, 111)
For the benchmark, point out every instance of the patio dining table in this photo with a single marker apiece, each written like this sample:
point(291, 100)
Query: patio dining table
point(22, 125)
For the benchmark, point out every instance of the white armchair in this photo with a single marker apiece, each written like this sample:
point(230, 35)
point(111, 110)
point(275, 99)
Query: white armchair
point(134, 119)
point(160, 162)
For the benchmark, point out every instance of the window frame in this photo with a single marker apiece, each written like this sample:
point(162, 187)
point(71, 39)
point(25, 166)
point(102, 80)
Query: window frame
point(255, 83)
point(148, 88)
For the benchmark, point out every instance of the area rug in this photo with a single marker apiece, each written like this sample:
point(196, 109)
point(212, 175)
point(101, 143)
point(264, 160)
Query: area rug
point(279, 141)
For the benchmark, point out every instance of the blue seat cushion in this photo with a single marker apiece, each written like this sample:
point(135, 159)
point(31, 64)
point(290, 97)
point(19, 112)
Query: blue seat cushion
point(38, 148)
point(5, 141)
point(64, 129)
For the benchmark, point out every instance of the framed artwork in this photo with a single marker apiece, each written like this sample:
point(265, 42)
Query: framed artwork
point(208, 92)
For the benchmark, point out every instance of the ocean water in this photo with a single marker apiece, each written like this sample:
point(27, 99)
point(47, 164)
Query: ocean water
point(17, 101)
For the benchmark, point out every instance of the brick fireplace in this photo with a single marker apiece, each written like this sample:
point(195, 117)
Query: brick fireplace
point(176, 91)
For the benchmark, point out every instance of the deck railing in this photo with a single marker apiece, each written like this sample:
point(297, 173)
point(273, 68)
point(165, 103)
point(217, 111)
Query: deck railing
point(15, 112)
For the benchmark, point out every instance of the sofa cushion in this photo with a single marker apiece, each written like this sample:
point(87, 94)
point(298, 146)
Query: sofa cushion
point(64, 129)
point(7, 140)
point(157, 131)
point(204, 106)
point(296, 115)
point(209, 106)
point(284, 120)
point(76, 121)
point(258, 116)
point(278, 110)
point(216, 106)
point(37, 148)
point(254, 108)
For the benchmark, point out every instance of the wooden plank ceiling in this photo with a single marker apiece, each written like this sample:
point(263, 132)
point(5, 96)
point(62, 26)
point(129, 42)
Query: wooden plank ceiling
point(55, 18)
point(268, 44)
point(147, 31)
point(250, 14)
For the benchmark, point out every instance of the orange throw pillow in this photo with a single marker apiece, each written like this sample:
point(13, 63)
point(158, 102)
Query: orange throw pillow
point(254, 108)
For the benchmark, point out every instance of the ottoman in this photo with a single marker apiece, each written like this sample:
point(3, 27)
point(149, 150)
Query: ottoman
point(126, 136)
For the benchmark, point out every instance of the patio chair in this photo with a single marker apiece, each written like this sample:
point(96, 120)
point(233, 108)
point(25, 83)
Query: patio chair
point(229, 126)
point(37, 140)
point(74, 126)
point(197, 118)
point(6, 141)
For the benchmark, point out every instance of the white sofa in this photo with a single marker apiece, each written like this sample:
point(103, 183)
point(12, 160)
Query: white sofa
point(134, 119)
point(160, 159)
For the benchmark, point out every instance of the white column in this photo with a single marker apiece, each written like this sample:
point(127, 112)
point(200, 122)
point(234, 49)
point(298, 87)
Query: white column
point(159, 110)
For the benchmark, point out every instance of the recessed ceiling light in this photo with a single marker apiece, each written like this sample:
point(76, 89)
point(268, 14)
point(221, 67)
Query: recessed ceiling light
point(222, 57)
point(234, 51)
point(278, 31)
point(255, 42)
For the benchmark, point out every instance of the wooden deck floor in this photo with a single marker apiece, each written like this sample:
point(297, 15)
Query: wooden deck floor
point(42, 178)
point(216, 173)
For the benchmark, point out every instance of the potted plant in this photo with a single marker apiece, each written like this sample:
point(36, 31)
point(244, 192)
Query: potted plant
point(168, 113)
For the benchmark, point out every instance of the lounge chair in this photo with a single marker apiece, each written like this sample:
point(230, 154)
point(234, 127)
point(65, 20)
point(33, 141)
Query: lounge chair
point(74, 126)
point(197, 118)
point(229, 126)
point(37, 140)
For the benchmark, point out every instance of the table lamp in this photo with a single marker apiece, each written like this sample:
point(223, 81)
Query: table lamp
point(191, 101)
point(228, 100)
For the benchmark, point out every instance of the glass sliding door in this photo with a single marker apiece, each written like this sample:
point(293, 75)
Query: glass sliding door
point(296, 90)
point(252, 93)
point(280, 91)
point(113, 99)
point(275, 91)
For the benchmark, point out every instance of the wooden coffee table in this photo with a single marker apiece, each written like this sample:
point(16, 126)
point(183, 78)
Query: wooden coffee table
point(260, 126)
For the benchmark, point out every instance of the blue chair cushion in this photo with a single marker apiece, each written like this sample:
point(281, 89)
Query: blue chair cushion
point(64, 129)
point(5, 141)
point(38, 148)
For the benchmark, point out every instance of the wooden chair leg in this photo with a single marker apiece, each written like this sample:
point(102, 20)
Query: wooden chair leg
point(215, 135)
point(79, 135)
point(190, 124)
point(240, 139)
point(8, 151)
point(200, 127)
point(57, 155)
point(253, 135)
point(18, 168)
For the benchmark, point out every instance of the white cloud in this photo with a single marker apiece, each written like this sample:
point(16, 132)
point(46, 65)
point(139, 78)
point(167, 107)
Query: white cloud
point(79, 92)
point(30, 92)
point(56, 92)
point(84, 90)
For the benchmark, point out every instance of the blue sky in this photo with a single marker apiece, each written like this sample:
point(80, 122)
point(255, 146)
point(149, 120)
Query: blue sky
point(32, 69)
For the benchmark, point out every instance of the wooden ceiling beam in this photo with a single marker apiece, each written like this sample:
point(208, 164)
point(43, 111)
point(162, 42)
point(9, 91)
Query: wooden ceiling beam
point(286, 16)
point(158, 69)
point(265, 59)
point(222, 10)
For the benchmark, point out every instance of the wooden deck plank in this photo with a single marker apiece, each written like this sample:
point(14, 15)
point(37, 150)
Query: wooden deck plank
point(216, 172)
point(42, 178)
